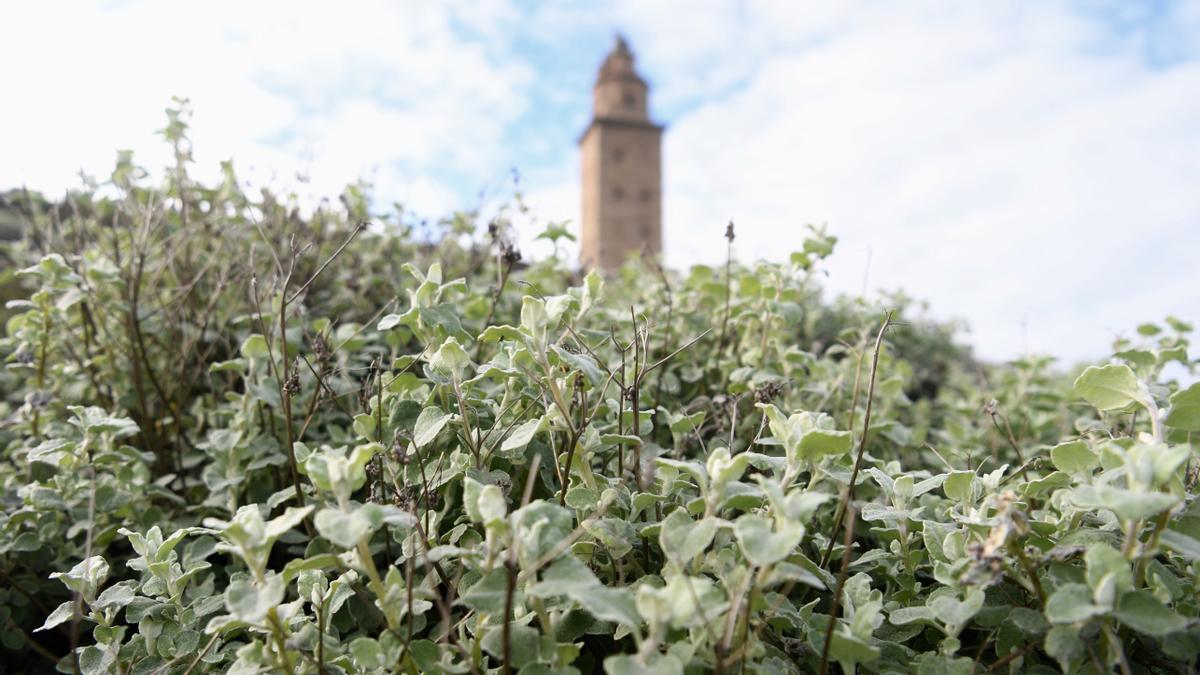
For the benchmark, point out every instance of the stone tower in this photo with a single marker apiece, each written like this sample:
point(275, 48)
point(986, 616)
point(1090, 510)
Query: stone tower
point(622, 167)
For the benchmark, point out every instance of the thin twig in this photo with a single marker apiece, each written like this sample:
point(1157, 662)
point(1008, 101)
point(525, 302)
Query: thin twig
point(841, 582)
point(353, 233)
point(862, 444)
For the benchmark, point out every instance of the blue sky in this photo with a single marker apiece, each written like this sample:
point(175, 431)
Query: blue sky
point(1029, 167)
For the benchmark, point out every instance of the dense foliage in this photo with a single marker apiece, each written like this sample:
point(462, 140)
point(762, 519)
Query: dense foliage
point(242, 439)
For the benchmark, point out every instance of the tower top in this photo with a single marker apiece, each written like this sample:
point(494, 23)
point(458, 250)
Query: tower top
point(620, 92)
point(618, 65)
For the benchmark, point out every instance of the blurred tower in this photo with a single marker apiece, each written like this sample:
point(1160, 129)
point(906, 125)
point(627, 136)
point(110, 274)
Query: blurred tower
point(622, 167)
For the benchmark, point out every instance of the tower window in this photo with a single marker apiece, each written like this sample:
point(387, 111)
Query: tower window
point(618, 193)
point(644, 195)
point(618, 154)
point(630, 100)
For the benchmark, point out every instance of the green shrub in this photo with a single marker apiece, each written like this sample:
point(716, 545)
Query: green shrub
point(244, 439)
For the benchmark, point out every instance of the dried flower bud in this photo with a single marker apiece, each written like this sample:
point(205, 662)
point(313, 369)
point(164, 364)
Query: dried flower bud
point(768, 392)
point(292, 385)
point(400, 450)
point(321, 349)
point(510, 253)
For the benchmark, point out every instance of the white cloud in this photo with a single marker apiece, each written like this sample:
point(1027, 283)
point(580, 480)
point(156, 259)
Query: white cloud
point(335, 92)
point(993, 161)
point(1016, 165)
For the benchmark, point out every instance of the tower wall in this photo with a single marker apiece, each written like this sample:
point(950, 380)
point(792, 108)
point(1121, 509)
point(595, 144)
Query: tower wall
point(621, 154)
point(622, 192)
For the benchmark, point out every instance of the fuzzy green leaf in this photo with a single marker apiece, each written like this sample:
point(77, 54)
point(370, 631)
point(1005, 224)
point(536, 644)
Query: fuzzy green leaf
point(1110, 387)
point(1143, 612)
point(1184, 413)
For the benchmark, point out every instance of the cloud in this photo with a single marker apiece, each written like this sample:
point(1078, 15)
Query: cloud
point(406, 94)
point(1028, 167)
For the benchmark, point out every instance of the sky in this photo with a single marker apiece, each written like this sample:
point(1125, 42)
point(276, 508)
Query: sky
point(1030, 168)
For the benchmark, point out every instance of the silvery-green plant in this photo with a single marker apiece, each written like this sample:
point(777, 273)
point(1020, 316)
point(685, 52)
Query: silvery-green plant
point(242, 439)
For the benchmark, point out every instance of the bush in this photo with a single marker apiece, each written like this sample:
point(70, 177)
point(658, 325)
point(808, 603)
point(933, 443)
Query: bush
point(244, 439)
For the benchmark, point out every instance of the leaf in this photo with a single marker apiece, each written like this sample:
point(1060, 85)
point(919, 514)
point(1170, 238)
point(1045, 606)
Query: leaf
point(906, 615)
point(498, 333)
point(617, 535)
point(471, 490)
point(523, 434)
point(1110, 387)
point(320, 561)
point(488, 594)
point(657, 664)
point(1127, 504)
point(367, 653)
point(343, 530)
point(97, 420)
point(450, 360)
point(525, 642)
point(389, 322)
point(534, 320)
point(721, 468)
point(1029, 621)
point(61, 614)
point(85, 577)
point(847, 648)
point(444, 318)
point(429, 424)
point(693, 469)
point(818, 443)
point(1063, 645)
point(592, 292)
point(1139, 358)
point(682, 539)
point(1107, 568)
point(557, 306)
point(249, 602)
point(94, 660)
point(619, 439)
point(568, 576)
point(426, 654)
point(582, 497)
point(1181, 544)
point(582, 362)
point(117, 595)
point(1072, 603)
point(255, 347)
point(291, 518)
point(953, 612)
point(492, 505)
point(681, 425)
point(1184, 413)
point(1074, 457)
point(763, 546)
point(230, 366)
point(1143, 612)
point(932, 663)
point(608, 604)
point(540, 527)
point(958, 485)
point(563, 575)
